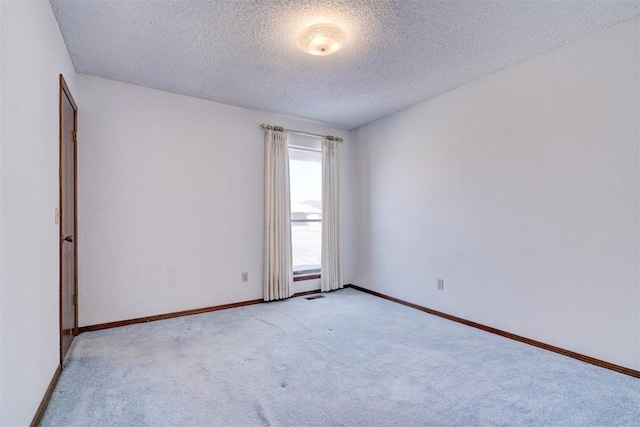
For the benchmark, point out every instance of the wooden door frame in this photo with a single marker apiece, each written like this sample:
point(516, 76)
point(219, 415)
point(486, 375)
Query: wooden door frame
point(65, 92)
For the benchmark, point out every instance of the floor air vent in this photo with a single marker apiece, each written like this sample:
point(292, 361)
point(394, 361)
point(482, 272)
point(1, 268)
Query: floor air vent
point(314, 297)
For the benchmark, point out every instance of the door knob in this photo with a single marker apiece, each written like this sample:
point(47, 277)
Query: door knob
point(68, 238)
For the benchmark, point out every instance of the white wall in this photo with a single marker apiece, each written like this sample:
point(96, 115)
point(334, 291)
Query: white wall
point(1, 118)
point(520, 190)
point(33, 56)
point(170, 201)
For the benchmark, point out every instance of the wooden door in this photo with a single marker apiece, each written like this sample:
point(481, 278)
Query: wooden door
point(68, 226)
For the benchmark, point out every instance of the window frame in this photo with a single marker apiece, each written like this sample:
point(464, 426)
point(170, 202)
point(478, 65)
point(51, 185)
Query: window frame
point(315, 273)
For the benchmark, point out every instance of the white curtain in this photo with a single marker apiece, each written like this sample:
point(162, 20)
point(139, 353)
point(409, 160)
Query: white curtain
point(331, 274)
point(278, 270)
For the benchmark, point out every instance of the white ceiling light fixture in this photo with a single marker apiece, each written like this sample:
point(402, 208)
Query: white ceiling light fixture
point(322, 39)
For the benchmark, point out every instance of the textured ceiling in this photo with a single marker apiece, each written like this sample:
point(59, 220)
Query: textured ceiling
point(245, 53)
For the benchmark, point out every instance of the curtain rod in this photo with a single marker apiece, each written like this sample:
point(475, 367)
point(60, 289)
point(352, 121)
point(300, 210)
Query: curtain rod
point(299, 132)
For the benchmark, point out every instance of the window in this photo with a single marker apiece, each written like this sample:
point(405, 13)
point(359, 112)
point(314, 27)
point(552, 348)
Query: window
point(305, 174)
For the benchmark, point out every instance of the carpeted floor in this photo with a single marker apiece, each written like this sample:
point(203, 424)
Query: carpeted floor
point(347, 359)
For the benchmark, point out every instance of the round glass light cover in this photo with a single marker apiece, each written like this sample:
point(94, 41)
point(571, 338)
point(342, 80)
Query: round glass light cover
point(322, 39)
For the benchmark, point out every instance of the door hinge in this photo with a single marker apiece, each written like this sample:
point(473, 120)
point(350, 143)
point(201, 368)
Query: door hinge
point(75, 299)
point(75, 136)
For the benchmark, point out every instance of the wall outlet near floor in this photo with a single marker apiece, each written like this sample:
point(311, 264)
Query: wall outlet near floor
point(441, 284)
point(245, 276)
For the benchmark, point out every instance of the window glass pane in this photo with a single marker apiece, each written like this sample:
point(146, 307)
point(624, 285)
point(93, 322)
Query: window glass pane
point(305, 169)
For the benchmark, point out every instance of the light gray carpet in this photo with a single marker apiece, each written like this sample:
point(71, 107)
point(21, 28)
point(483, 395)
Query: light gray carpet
point(347, 359)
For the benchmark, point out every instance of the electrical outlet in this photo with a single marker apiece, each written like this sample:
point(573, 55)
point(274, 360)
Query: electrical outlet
point(440, 284)
point(245, 276)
